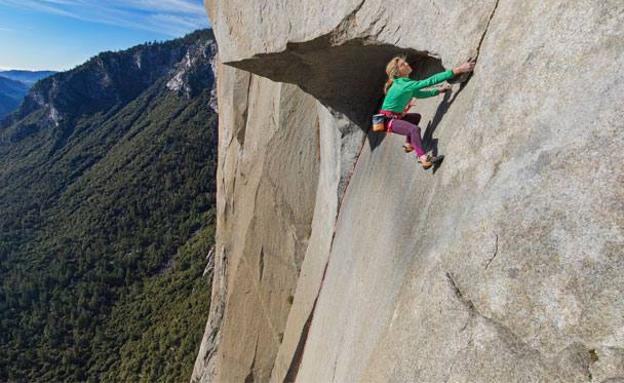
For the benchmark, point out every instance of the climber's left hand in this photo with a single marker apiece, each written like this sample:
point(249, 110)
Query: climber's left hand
point(444, 88)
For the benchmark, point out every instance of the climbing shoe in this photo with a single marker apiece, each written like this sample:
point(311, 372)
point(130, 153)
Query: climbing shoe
point(408, 147)
point(430, 161)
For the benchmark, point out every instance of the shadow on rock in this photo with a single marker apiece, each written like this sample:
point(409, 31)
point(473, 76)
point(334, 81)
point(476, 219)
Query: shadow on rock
point(430, 143)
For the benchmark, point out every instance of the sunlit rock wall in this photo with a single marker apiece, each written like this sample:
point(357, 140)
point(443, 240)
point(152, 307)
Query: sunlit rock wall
point(505, 265)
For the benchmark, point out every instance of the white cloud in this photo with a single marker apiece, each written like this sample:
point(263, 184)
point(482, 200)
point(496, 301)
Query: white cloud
point(170, 17)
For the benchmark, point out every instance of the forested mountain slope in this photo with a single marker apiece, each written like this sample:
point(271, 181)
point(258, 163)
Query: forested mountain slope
point(107, 188)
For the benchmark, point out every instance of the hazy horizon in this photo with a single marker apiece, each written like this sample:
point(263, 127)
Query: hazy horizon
point(2, 69)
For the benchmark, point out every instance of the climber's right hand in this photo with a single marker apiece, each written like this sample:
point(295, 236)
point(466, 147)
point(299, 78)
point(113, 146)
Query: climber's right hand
point(466, 67)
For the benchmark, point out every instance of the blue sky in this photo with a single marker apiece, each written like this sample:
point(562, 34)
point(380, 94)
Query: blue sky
point(61, 34)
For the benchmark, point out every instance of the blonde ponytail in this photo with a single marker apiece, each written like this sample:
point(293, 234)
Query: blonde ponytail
point(387, 85)
point(392, 70)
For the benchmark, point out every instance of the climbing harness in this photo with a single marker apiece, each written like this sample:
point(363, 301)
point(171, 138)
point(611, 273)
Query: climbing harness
point(383, 120)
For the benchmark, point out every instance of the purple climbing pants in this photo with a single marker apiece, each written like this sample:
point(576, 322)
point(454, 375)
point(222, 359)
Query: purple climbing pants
point(408, 127)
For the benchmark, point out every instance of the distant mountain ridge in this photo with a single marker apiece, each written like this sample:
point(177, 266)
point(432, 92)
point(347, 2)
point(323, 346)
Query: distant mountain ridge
point(14, 85)
point(26, 76)
point(11, 94)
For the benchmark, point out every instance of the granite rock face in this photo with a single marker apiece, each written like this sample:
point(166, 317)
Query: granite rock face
point(343, 261)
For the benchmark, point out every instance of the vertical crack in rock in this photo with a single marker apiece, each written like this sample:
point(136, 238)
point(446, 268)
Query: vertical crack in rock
point(487, 26)
point(460, 296)
point(465, 80)
point(251, 378)
point(347, 182)
point(446, 103)
point(334, 371)
point(593, 358)
point(495, 252)
point(318, 139)
point(240, 134)
point(261, 262)
point(261, 301)
point(295, 363)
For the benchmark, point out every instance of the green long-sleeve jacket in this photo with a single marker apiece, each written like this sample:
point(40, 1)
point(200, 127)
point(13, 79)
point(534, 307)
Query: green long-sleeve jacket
point(403, 89)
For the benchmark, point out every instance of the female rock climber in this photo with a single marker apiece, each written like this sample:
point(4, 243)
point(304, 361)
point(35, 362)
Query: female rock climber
point(399, 92)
